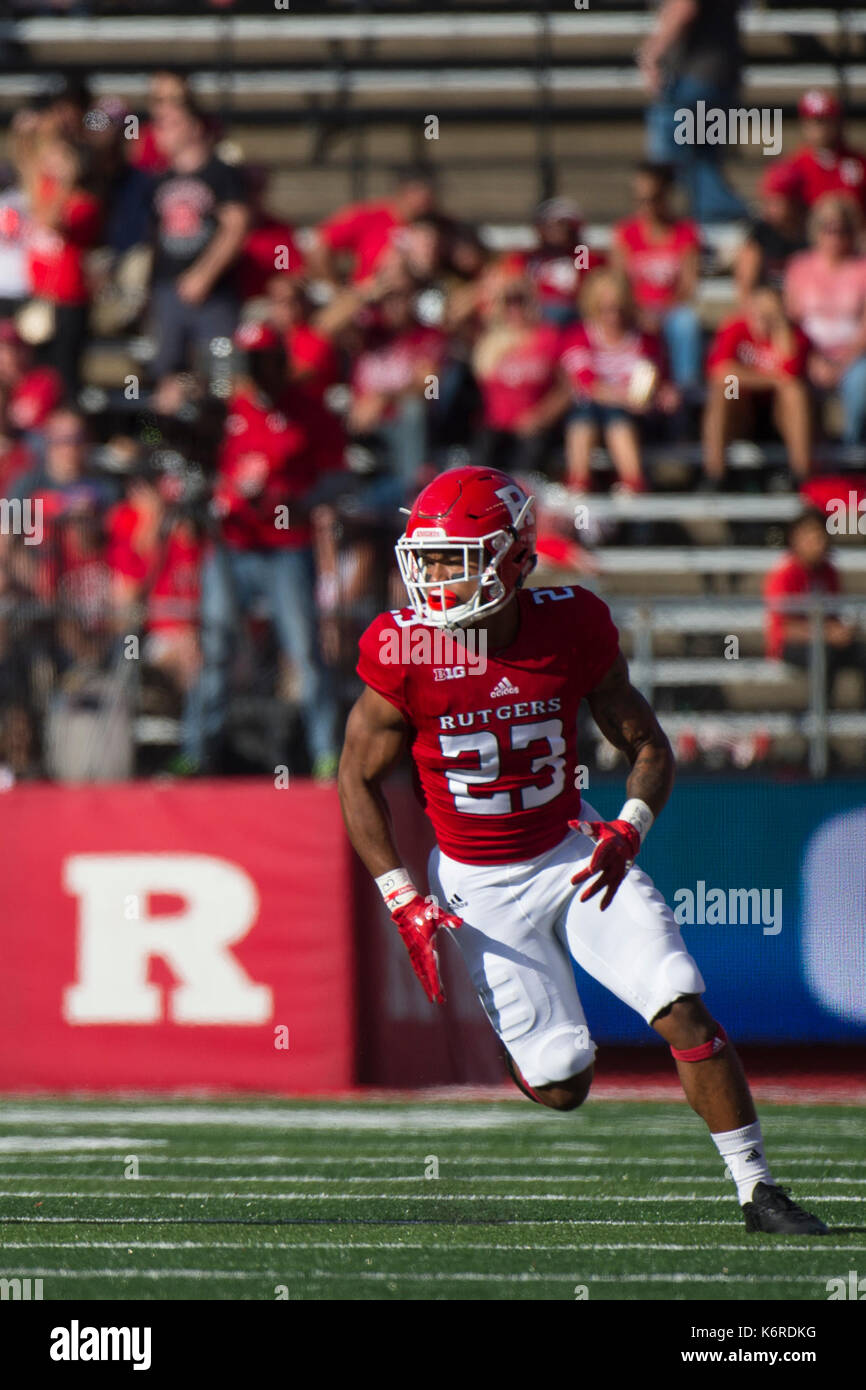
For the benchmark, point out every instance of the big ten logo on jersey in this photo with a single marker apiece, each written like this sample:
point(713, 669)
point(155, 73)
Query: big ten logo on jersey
point(451, 654)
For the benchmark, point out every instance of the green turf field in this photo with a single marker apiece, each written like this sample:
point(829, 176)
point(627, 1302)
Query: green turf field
point(239, 1200)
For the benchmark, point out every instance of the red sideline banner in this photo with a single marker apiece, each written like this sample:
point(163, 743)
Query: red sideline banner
point(175, 936)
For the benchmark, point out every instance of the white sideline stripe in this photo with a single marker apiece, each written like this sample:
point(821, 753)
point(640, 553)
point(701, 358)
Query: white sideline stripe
point(445, 1176)
point(23, 1143)
point(314, 1160)
point(420, 1118)
point(746, 1249)
point(464, 1276)
point(32, 1221)
point(390, 1196)
point(682, 1128)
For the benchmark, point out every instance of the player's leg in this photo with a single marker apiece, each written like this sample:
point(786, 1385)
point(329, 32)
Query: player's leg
point(522, 976)
point(623, 446)
point(635, 950)
point(581, 435)
point(715, 1085)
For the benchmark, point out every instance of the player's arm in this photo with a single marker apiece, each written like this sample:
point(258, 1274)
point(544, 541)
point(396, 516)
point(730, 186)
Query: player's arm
point(627, 721)
point(375, 737)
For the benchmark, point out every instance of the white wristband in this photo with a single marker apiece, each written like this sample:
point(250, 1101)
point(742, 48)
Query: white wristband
point(396, 888)
point(638, 814)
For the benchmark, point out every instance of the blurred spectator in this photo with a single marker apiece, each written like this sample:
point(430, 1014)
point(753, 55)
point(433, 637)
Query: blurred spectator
point(16, 458)
point(362, 233)
point(14, 235)
point(659, 253)
point(166, 89)
point(824, 163)
point(693, 55)
point(201, 224)
point(313, 363)
point(807, 569)
point(550, 267)
point(825, 292)
point(125, 191)
point(274, 453)
point(154, 554)
point(66, 222)
point(31, 393)
point(757, 359)
point(68, 566)
point(515, 363)
point(617, 373)
point(270, 243)
point(395, 373)
point(776, 235)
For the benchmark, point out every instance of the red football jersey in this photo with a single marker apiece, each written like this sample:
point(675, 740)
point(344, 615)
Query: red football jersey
point(494, 735)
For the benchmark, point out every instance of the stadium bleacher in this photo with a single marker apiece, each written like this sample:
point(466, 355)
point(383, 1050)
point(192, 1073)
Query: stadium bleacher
point(532, 99)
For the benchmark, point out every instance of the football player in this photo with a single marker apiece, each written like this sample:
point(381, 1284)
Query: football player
point(482, 678)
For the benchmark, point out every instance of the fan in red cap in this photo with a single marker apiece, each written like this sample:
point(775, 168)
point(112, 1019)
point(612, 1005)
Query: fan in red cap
point(817, 105)
point(825, 162)
point(485, 516)
point(257, 337)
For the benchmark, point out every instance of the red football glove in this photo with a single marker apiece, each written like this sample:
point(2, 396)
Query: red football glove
point(418, 921)
point(617, 845)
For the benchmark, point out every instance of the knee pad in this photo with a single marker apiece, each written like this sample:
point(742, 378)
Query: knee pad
point(703, 1050)
point(560, 1054)
point(677, 975)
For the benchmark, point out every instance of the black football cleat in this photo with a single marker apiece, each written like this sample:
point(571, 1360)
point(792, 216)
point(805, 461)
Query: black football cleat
point(772, 1211)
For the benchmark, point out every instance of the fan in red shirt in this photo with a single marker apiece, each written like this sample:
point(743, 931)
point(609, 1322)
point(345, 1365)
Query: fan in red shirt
point(808, 569)
point(363, 233)
point(825, 163)
point(66, 224)
point(757, 353)
point(515, 365)
point(313, 362)
point(32, 393)
point(659, 253)
point(481, 679)
point(397, 361)
point(270, 243)
point(277, 447)
point(616, 373)
point(559, 263)
point(155, 559)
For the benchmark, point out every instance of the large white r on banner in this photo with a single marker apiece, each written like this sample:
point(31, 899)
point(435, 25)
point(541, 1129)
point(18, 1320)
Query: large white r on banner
point(220, 906)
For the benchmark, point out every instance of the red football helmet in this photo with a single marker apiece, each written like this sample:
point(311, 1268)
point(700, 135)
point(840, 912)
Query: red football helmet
point(486, 515)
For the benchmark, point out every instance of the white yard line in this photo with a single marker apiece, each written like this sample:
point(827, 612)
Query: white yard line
point(31, 1221)
point(415, 1197)
point(27, 1143)
point(446, 1175)
point(344, 1245)
point(461, 1276)
point(315, 1160)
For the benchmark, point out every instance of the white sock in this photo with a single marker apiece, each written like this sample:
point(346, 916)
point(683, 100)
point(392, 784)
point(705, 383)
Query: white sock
point(743, 1151)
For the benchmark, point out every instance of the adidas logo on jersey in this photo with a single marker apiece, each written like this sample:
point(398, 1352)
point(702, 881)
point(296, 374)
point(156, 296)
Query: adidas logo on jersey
point(503, 688)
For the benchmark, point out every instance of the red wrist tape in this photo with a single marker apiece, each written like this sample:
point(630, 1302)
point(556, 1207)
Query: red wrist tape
point(707, 1049)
